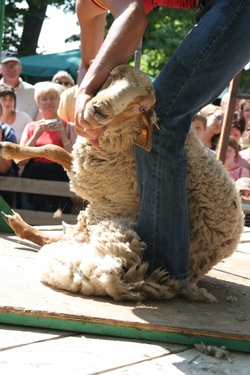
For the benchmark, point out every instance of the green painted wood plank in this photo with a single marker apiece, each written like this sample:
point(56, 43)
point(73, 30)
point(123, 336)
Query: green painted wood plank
point(120, 331)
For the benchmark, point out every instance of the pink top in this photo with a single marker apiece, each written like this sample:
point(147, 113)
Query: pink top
point(46, 138)
point(235, 173)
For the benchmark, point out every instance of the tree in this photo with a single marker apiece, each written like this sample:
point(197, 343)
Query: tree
point(30, 20)
point(163, 23)
point(166, 29)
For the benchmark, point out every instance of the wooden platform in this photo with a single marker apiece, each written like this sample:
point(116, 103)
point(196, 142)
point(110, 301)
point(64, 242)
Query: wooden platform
point(24, 300)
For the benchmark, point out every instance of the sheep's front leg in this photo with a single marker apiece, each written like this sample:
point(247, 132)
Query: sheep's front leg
point(27, 232)
point(54, 153)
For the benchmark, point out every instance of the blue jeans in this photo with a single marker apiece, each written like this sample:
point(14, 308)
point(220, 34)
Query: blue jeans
point(212, 53)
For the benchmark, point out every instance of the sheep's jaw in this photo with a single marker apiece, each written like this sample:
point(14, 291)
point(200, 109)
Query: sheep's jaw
point(98, 114)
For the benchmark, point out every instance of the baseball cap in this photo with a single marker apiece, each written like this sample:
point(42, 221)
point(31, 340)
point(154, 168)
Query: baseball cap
point(8, 55)
point(243, 183)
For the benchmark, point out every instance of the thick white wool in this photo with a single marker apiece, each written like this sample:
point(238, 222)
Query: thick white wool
point(105, 257)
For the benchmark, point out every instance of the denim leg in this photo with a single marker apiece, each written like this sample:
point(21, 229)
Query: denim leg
point(214, 51)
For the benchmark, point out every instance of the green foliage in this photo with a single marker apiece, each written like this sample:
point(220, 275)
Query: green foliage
point(29, 18)
point(12, 21)
point(245, 82)
point(166, 29)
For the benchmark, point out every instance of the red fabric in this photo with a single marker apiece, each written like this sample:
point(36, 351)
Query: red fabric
point(184, 4)
point(47, 138)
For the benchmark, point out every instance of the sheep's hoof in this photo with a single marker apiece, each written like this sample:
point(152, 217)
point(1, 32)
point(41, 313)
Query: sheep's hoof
point(15, 222)
point(6, 217)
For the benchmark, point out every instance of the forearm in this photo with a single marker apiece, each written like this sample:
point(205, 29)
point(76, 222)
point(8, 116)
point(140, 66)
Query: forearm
point(92, 24)
point(120, 43)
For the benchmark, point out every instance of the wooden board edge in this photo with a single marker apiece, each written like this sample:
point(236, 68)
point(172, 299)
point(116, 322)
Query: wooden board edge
point(128, 332)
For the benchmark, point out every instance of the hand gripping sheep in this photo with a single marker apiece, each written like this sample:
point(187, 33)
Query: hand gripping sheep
point(102, 254)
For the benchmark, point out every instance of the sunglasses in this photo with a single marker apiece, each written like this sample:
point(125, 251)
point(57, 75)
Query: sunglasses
point(63, 83)
point(218, 117)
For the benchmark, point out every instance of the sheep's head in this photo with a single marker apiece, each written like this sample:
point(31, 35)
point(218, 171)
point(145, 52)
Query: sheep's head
point(127, 93)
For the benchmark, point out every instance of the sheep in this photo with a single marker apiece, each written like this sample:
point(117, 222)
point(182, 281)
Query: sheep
point(102, 255)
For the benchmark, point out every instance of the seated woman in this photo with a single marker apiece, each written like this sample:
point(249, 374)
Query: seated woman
point(7, 167)
point(8, 114)
point(49, 130)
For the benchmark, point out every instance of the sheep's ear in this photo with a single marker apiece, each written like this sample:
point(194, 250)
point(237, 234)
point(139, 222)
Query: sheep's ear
point(148, 120)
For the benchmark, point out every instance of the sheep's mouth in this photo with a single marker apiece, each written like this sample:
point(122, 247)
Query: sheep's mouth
point(99, 113)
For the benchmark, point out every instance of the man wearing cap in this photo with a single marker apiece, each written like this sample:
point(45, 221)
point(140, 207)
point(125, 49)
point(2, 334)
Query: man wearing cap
point(10, 69)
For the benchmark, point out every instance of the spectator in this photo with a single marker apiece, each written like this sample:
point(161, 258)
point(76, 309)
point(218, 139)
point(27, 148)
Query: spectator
point(244, 110)
point(63, 78)
point(8, 114)
point(224, 102)
point(236, 133)
point(7, 167)
point(243, 186)
point(66, 109)
point(49, 130)
point(244, 107)
point(245, 154)
point(199, 124)
point(238, 128)
point(10, 68)
point(213, 130)
point(209, 109)
point(235, 170)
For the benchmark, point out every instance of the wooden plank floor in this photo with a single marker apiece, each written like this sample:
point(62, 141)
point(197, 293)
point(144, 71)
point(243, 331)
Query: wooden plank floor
point(24, 300)
point(29, 351)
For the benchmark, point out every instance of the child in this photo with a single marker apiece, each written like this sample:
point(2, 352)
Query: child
point(243, 186)
point(199, 124)
point(235, 170)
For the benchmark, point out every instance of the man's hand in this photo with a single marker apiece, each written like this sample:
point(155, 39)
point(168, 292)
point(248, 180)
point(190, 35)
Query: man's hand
point(82, 127)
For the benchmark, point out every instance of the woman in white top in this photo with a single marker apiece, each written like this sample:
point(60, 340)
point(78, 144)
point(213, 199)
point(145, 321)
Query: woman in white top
point(8, 114)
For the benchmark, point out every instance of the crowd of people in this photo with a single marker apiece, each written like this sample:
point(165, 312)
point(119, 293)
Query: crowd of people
point(208, 125)
point(26, 111)
point(29, 115)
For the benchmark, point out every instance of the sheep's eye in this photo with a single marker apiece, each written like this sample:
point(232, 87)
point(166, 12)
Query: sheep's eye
point(142, 108)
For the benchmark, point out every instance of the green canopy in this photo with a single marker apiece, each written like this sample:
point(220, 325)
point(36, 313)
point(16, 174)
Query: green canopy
point(38, 68)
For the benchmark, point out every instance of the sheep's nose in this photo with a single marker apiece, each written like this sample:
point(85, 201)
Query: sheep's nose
point(98, 110)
